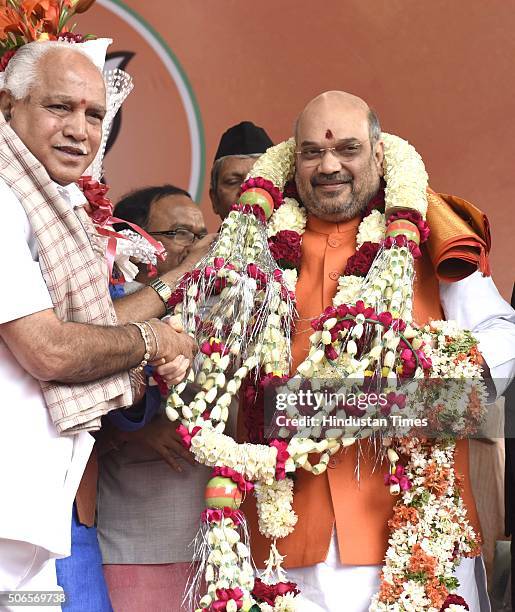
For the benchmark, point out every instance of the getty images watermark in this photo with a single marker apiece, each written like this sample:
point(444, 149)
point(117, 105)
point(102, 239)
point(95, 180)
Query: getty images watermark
point(311, 403)
point(340, 408)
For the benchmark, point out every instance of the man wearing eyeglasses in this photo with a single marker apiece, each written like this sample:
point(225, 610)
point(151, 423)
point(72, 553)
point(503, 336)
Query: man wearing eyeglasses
point(168, 213)
point(150, 488)
point(338, 546)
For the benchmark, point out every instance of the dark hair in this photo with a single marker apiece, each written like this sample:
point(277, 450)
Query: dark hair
point(135, 206)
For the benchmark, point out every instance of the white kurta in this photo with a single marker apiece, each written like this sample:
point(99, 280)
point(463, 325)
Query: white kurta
point(40, 470)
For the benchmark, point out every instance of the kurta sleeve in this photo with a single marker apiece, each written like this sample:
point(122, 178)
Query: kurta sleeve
point(476, 304)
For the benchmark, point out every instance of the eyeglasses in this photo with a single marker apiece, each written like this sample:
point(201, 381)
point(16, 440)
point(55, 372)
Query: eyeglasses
point(181, 236)
point(344, 152)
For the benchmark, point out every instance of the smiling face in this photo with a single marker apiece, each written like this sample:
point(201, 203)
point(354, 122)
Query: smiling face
point(337, 185)
point(60, 120)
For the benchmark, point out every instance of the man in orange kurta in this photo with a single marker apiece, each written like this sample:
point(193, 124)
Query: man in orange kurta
point(335, 192)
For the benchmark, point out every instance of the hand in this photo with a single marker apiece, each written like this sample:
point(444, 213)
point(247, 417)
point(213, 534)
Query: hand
point(198, 250)
point(172, 342)
point(160, 436)
point(173, 372)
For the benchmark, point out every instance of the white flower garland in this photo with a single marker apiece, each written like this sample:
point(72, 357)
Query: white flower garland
point(276, 516)
point(387, 287)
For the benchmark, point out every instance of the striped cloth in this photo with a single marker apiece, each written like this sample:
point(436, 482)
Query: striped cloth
point(71, 257)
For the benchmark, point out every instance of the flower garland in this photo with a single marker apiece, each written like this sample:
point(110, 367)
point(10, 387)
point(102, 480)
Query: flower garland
point(247, 331)
point(418, 570)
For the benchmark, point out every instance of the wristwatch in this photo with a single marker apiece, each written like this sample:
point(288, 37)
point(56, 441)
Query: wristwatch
point(163, 291)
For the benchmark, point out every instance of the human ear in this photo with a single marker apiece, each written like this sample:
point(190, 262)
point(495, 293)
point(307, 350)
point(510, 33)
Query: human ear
point(6, 103)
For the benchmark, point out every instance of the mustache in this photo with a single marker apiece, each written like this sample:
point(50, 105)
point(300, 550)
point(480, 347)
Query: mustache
point(331, 179)
point(75, 147)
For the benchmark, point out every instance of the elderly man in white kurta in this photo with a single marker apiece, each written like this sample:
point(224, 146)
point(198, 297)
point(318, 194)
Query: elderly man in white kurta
point(65, 354)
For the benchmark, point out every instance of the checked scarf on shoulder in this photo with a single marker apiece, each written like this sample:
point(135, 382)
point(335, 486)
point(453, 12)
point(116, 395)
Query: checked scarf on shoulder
point(72, 261)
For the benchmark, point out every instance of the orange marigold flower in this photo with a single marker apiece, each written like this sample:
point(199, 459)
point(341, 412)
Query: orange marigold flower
point(420, 561)
point(389, 593)
point(436, 479)
point(402, 515)
point(436, 592)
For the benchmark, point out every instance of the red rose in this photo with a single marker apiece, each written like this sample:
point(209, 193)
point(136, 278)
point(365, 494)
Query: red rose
point(285, 248)
point(268, 592)
point(359, 264)
point(286, 587)
point(456, 600)
point(263, 592)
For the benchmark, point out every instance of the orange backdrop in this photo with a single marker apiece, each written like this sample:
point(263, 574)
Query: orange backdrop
point(440, 74)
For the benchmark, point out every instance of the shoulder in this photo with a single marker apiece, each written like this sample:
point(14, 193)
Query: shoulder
point(14, 218)
point(11, 205)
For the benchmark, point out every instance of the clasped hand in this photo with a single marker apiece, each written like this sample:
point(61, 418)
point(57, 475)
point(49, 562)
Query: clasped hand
point(176, 350)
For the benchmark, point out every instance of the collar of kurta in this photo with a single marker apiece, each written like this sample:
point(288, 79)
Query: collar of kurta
point(320, 226)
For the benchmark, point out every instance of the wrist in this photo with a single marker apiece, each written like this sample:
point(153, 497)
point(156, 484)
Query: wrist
point(163, 290)
point(149, 338)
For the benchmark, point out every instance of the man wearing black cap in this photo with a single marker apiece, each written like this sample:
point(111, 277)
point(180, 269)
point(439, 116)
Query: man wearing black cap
point(239, 148)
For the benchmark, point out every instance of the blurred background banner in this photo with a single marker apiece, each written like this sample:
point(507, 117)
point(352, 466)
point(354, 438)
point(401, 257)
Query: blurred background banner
point(440, 74)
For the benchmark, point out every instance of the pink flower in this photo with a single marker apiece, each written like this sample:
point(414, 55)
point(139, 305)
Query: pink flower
point(186, 436)
point(216, 515)
point(226, 595)
point(243, 485)
point(282, 456)
point(399, 478)
point(212, 346)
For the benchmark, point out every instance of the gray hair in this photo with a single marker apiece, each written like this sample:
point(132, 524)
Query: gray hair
point(215, 170)
point(22, 70)
point(374, 127)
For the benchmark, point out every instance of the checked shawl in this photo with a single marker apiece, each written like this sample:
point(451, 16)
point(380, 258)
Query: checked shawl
point(72, 261)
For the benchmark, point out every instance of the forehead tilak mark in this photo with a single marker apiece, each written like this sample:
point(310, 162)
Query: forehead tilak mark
point(329, 134)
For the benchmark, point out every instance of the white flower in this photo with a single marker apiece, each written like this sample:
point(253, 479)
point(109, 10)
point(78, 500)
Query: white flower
point(349, 290)
point(285, 603)
point(371, 229)
point(405, 175)
point(289, 216)
point(277, 164)
point(290, 279)
point(274, 505)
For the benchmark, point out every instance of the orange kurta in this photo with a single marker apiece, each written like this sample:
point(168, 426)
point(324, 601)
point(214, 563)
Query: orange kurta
point(360, 510)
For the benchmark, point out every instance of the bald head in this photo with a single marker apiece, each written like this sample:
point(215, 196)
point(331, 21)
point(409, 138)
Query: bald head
point(339, 156)
point(331, 102)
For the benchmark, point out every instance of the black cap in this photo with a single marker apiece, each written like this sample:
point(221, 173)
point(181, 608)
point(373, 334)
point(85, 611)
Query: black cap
point(243, 139)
